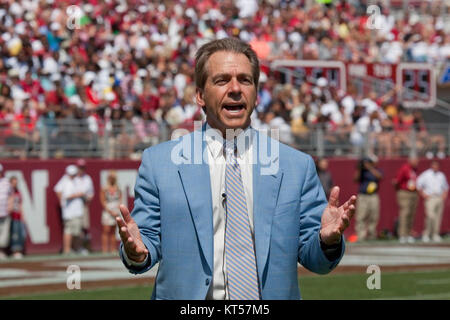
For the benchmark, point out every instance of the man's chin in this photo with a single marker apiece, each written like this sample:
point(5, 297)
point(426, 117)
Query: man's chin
point(234, 125)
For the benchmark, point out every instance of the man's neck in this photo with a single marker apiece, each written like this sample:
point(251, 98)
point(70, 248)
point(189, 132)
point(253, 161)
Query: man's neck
point(228, 133)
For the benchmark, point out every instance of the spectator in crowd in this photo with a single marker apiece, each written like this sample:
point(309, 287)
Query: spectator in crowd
point(426, 141)
point(110, 198)
point(324, 175)
point(368, 177)
point(18, 230)
point(5, 218)
point(405, 183)
point(276, 120)
point(402, 124)
point(87, 188)
point(71, 198)
point(365, 132)
point(108, 63)
point(433, 188)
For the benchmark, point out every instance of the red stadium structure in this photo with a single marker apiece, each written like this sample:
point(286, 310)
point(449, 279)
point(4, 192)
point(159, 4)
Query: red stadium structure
point(42, 213)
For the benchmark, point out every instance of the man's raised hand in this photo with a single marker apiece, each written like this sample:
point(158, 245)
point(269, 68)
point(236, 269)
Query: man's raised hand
point(131, 237)
point(336, 219)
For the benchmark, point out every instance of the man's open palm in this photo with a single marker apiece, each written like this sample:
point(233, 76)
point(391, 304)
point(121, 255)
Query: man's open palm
point(336, 219)
point(131, 237)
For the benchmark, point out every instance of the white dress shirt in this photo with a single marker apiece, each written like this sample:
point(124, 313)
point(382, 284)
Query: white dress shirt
point(86, 185)
point(72, 208)
point(217, 165)
point(432, 183)
point(4, 196)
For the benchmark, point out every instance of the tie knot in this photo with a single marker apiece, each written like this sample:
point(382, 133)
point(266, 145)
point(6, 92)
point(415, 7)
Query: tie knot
point(229, 147)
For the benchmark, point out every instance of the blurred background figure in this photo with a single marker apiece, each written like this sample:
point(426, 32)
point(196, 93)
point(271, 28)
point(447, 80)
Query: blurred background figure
point(110, 198)
point(87, 187)
point(433, 188)
point(18, 230)
point(5, 219)
point(405, 183)
point(71, 196)
point(368, 202)
point(324, 175)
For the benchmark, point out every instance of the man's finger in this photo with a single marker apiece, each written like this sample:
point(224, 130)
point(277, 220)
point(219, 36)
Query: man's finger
point(124, 234)
point(133, 249)
point(334, 197)
point(351, 210)
point(123, 229)
point(125, 213)
point(345, 222)
point(120, 222)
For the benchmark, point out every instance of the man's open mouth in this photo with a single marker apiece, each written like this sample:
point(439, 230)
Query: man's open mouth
point(235, 107)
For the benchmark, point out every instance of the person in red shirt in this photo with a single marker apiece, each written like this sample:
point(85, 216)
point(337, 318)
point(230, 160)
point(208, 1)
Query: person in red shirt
point(32, 87)
point(407, 198)
point(18, 232)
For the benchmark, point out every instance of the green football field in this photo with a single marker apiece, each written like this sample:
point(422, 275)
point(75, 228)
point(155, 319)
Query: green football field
point(407, 285)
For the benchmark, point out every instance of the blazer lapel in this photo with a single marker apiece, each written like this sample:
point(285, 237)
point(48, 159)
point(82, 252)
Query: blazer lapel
point(195, 179)
point(265, 193)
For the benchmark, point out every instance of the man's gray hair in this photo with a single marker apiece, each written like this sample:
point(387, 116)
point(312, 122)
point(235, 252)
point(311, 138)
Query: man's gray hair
point(226, 44)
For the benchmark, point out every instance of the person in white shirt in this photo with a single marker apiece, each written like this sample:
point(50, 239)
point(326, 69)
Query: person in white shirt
point(433, 187)
point(87, 187)
point(70, 195)
point(5, 219)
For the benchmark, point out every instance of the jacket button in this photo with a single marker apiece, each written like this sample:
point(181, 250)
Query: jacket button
point(207, 282)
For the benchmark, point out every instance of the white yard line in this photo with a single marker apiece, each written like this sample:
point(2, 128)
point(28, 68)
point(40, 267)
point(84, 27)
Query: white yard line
point(434, 281)
point(432, 296)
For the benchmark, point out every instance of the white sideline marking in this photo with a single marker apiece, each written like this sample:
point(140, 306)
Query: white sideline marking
point(10, 273)
point(393, 256)
point(444, 295)
point(434, 281)
point(114, 270)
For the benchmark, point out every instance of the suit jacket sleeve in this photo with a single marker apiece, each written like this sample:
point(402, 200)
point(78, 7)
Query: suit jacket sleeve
point(312, 204)
point(146, 213)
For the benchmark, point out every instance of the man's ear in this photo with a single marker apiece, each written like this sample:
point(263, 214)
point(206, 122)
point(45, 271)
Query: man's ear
point(199, 97)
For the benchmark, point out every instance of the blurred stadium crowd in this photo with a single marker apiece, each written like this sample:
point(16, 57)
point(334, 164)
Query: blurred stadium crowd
point(126, 67)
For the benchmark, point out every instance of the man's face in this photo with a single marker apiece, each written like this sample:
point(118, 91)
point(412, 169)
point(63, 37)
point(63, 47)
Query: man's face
point(323, 164)
point(229, 94)
point(414, 162)
point(435, 166)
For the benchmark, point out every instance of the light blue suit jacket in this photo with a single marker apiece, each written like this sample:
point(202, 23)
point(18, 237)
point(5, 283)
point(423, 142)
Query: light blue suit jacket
point(173, 209)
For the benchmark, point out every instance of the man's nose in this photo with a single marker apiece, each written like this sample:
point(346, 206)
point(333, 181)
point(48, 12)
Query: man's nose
point(235, 88)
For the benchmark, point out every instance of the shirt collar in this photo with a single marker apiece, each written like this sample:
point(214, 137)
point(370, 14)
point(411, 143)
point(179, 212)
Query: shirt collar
point(215, 141)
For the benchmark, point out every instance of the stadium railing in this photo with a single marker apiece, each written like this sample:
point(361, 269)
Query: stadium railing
point(123, 139)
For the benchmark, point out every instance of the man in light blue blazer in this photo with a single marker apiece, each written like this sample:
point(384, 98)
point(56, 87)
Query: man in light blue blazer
point(227, 212)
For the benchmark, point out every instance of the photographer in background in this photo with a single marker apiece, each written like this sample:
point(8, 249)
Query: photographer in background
point(368, 202)
point(87, 187)
point(5, 218)
point(432, 186)
point(324, 175)
point(405, 183)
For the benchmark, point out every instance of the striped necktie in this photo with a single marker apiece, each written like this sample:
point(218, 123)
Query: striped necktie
point(239, 249)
